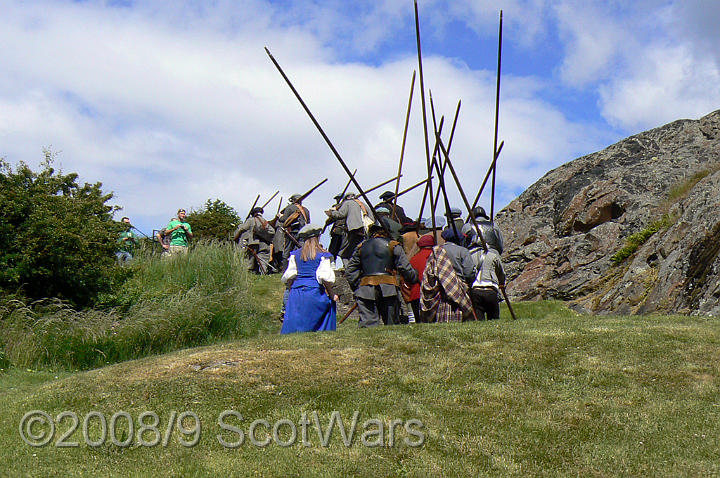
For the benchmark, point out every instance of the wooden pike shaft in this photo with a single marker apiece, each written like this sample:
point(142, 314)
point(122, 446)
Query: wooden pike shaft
point(325, 137)
point(252, 207)
point(348, 313)
point(428, 185)
point(382, 184)
point(271, 198)
point(490, 170)
point(402, 148)
point(450, 140)
point(497, 115)
point(406, 190)
point(424, 115)
point(441, 174)
point(472, 218)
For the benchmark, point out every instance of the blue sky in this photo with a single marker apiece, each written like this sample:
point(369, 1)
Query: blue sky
point(171, 103)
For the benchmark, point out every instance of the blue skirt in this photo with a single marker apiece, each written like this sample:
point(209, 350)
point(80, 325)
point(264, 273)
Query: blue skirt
point(308, 309)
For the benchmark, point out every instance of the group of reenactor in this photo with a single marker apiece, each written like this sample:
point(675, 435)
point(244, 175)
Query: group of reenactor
point(399, 270)
point(269, 243)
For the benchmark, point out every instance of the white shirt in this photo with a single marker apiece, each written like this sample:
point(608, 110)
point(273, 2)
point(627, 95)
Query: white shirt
point(324, 272)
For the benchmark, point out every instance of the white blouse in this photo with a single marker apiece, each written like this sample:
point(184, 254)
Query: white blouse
point(324, 272)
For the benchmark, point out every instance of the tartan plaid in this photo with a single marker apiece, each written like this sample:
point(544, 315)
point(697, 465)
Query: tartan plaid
point(444, 297)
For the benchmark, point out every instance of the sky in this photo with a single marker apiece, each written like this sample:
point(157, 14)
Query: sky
point(170, 103)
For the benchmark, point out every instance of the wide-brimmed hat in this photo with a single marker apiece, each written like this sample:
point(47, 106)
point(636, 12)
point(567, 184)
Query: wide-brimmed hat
point(309, 230)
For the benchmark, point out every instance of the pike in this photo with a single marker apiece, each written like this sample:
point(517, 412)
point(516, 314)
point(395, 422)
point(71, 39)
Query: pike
point(407, 190)
point(424, 115)
point(347, 185)
point(348, 313)
point(402, 148)
point(329, 221)
point(472, 218)
point(497, 114)
point(302, 198)
point(452, 133)
point(441, 172)
point(490, 170)
point(138, 230)
point(261, 264)
point(325, 137)
point(271, 198)
point(427, 187)
point(252, 207)
point(383, 184)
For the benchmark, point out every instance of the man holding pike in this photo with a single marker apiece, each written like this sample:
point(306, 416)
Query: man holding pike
point(290, 220)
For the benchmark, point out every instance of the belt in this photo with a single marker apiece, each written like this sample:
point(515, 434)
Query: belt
point(379, 279)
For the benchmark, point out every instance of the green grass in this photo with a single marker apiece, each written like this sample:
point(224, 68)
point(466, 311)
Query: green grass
point(639, 238)
point(200, 298)
point(680, 191)
point(551, 394)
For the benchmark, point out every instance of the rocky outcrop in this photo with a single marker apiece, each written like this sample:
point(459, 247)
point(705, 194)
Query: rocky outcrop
point(562, 232)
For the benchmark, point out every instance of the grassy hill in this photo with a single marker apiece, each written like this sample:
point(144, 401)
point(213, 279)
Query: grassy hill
point(552, 394)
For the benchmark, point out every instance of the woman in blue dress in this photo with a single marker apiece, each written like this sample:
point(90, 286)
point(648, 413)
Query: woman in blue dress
point(309, 277)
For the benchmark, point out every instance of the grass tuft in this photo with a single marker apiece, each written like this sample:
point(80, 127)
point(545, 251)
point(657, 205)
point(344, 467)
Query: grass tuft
point(200, 298)
point(634, 241)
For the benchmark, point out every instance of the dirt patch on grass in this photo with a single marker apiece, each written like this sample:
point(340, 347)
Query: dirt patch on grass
point(245, 365)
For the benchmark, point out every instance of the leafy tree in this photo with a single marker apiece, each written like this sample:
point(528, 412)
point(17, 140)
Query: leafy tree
point(57, 237)
point(215, 220)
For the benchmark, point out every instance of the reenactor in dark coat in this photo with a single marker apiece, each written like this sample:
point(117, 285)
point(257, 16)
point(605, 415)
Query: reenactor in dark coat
point(455, 217)
point(256, 236)
point(351, 214)
point(338, 230)
point(387, 202)
point(372, 274)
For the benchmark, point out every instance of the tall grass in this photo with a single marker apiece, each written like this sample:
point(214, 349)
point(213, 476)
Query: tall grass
point(199, 298)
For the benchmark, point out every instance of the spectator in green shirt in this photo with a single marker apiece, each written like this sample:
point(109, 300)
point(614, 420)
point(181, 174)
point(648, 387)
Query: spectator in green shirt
point(180, 232)
point(126, 242)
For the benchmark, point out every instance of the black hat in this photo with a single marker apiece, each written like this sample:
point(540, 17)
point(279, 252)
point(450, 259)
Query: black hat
point(383, 225)
point(387, 195)
point(256, 210)
point(294, 197)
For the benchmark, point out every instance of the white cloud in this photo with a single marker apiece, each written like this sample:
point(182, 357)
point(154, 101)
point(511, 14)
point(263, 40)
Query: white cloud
point(666, 82)
point(171, 103)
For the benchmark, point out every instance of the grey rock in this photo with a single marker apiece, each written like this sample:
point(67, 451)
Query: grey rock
point(561, 233)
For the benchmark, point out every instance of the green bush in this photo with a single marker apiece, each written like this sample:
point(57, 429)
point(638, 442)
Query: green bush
point(215, 220)
point(57, 237)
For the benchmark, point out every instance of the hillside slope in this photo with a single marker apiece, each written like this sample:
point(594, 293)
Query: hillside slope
point(553, 394)
point(562, 232)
